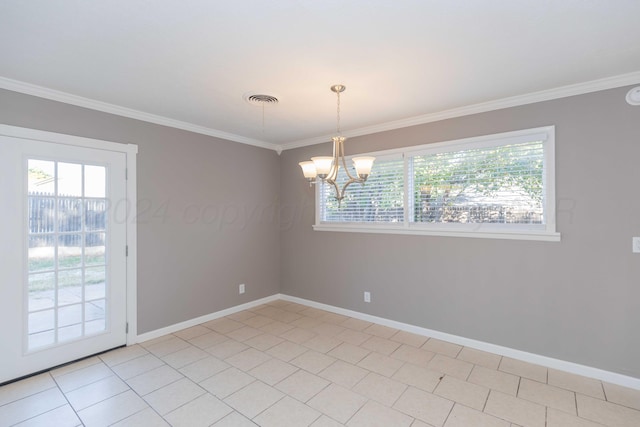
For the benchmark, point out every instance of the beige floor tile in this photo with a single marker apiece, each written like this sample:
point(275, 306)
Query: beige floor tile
point(234, 419)
point(384, 365)
point(226, 382)
point(287, 412)
point(253, 399)
point(184, 357)
point(416, 356)
point(583, 385)
point(344, 374)
point(306, 322)
point(325, 421)
point(454, 367)
point(156, 340)
point(112, 410)
point(264, 341)
point(298, 335)
point(146, 417)
point(322, 343)
point(313, 312)
point(478, 357)
point(519, 411)
point(82, 377)
point(247, 359)
point(154, 379)
point(442, 347)
point(461, 416)
point(295, 307)
point(328, 329)
point(380, 345)
point(424, 406)
point(31, 406)
point(223, 325)
point(208, 340)
point(313, 361)
point(226, 349)
point(63, 416)
point(547, 395)
point(286, 350)
point(418, 423)
point(65, 369)
point(353, 337)
point(379, 388)
point(257, 321)
point(356, 324)
point(244, 333)
point(523, 369)
point(337, 402)
point(622, 395)
point(373, 414)
point(334, 318)
point(273, 371)
point(286, 316)
point(380, 331)
point(302, 385)
point(123, 354)
point(349, 353)
point(98, 391)
point(276, 328)
point(173, 396)
point(192, 332)
point(137, 366)
point(241, 316)
point(20, 389)
point(557, 418)
point(468, 394)
point(416, 376)
point(204, 368)
point(607, 413)
point(200, 412)
point(408, 338)
point(165, 347)
point(495, 380)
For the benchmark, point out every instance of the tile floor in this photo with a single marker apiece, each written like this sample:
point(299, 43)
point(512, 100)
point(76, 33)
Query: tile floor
point(284, 364)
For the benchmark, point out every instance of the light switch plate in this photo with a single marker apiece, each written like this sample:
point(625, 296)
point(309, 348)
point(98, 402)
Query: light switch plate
point(636, 245)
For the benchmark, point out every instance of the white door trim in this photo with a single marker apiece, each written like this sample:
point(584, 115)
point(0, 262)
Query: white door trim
point(131, 151)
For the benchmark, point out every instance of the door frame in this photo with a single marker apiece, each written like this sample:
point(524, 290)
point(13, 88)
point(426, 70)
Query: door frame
point(130, 151)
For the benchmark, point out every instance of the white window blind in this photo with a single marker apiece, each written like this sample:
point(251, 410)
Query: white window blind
point(379, 200)
point(497, 185)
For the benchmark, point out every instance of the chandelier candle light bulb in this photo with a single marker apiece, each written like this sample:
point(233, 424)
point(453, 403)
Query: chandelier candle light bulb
point(326, 167)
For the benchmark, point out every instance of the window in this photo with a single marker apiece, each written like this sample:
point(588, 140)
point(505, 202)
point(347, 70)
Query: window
point(496, 186)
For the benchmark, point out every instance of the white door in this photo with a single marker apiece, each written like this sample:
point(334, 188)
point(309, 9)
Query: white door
point(62, 254)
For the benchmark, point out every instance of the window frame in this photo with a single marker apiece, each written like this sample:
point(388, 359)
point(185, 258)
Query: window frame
point(540, 232)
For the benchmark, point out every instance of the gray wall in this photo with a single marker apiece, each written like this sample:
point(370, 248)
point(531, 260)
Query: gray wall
point(577, 300)
point(207, 210)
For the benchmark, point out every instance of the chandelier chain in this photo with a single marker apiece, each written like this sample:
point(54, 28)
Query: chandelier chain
point(338, 113)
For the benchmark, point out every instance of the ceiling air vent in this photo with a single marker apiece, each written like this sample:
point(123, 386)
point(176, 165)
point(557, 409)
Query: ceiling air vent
point(260, 99)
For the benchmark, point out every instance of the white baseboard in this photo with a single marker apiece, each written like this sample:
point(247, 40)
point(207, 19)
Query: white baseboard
point(207, 317)
point(549, 362)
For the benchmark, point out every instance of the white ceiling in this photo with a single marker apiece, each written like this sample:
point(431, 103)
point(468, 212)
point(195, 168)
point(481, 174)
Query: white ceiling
point(189, 63)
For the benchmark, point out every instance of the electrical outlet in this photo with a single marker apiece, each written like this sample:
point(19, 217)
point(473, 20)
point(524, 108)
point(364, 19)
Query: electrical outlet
point(367, 296)
point(636, 245)
point(241, 288)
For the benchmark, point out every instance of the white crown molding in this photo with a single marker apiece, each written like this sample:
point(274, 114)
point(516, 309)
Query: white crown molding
point(67, 98)
point(514, 101)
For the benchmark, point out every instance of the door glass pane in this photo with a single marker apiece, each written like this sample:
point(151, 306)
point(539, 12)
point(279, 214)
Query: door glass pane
point(42, 214)
point(41, 176)
point(69, 179)
point(41, 321)
point(70, 251)
point(94, 251)
point(69, 286)
point(67, 333)
point(95, 282)
point(95, 316)
point(70, 315)
point(42, 251)
point(42, 292)
point(95, 181)
point(95, 214)
point(69, 215)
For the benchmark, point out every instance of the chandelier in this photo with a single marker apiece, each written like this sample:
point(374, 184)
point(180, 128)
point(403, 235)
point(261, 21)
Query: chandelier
point(327, 167)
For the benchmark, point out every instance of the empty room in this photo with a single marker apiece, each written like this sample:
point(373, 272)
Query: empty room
point(320, 213)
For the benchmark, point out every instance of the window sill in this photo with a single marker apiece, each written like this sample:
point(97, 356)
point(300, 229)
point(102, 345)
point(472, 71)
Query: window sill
point(485, 233)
